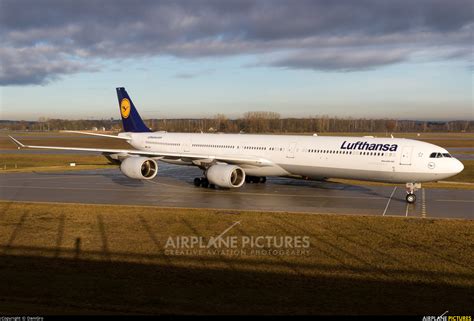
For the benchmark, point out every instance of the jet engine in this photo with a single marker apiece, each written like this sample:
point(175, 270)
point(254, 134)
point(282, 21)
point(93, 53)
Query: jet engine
point(227, 176)
point(139, 167)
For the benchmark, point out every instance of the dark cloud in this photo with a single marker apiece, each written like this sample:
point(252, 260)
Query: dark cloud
point(342, 35)
point(340, 61)
point(189, 75)
point(23, 66)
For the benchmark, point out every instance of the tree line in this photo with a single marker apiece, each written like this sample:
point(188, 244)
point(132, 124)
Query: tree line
point(252, 122)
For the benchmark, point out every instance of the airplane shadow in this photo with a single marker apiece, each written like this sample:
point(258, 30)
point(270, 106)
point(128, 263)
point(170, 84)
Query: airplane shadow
point(71, 277)
point(68, 285)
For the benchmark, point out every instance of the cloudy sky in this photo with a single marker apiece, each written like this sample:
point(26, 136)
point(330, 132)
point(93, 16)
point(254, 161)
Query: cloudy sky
point(367, 58)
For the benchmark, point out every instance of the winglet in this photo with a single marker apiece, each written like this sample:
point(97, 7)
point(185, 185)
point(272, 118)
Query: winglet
point(17, 143)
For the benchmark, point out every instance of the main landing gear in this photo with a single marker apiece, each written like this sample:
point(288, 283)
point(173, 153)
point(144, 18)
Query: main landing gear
point(255, 179)
point(203, 182)
point(411, 189)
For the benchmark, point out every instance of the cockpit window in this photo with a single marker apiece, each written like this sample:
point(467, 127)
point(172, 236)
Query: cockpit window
point(440, 155)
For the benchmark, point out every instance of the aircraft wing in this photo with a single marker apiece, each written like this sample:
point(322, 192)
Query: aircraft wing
point(229, 159)
point(94, 134)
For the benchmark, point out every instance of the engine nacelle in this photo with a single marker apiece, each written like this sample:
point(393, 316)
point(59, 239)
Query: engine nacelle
point(227, 176)
point(139, 167)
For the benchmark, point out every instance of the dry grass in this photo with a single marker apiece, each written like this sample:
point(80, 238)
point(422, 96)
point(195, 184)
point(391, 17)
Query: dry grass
point(355, 264)
point(467, 175)
point(448, 143)
point(50, 162)
point(70, 140)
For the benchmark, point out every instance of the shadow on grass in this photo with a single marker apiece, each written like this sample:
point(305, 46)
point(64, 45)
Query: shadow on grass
point(32, 276)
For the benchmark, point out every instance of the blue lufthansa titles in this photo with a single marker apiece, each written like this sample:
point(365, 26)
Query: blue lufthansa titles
point(367, 146)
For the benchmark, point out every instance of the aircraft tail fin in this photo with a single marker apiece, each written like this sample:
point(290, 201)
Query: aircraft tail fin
point(131, 120)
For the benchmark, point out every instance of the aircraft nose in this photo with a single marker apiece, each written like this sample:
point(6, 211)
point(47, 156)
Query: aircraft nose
point(458, 167)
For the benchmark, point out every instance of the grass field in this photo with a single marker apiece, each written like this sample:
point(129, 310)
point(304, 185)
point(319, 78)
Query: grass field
point(60, 139)
point(59, 258)
point(51, 162)
point(467, 175)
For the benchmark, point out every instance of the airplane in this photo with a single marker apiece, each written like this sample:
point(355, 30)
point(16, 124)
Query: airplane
point(231, 160)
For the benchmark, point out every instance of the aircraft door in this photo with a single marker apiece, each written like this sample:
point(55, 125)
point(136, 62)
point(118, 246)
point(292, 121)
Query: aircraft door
point(242, 147)
point(187, 146)
point(290, 153)
point(405, 158)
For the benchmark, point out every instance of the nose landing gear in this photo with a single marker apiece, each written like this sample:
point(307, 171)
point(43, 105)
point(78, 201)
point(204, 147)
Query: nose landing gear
point(411, 189)
point(411, 198)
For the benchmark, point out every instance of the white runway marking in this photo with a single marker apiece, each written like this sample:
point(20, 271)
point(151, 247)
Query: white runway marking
point(423, 203)
point(179, 207)
point(388, 203)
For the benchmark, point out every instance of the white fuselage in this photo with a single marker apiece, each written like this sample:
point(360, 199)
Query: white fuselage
point(392, 160)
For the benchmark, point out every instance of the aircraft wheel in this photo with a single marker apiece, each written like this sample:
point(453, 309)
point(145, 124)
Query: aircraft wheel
point(411, 198)
point(197, 182)
point(263, 179)
point(205, 183)
point(212, 186)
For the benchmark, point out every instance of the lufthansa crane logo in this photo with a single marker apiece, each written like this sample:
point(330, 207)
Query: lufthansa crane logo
point(125, 107)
